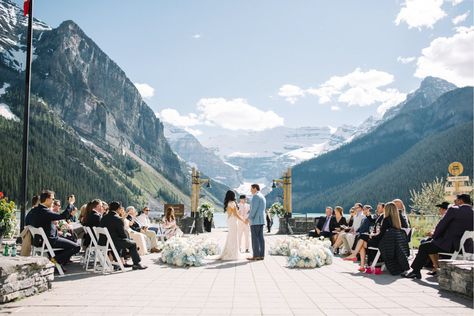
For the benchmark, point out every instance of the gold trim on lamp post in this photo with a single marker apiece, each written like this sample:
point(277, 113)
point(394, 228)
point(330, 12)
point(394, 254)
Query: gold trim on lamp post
point(285, 181)
point(196, 182)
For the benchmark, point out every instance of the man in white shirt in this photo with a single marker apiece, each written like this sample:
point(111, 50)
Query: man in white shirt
point(244, 228)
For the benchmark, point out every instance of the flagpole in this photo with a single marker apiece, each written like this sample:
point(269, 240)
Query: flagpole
point(26, 117)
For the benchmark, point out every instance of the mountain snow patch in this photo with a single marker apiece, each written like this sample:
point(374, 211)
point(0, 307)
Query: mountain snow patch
point(7, 113)
point(4, 88)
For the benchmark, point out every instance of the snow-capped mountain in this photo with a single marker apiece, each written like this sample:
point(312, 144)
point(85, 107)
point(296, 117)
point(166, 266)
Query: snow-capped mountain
point(13, 37)
point(188, 148)
point(262, 156)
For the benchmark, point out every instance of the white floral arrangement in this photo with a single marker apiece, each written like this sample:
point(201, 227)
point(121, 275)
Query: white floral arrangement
point(304, 252)
point(188, 252)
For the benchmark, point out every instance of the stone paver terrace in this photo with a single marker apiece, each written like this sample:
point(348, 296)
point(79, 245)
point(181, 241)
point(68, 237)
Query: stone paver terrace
point(241, 288)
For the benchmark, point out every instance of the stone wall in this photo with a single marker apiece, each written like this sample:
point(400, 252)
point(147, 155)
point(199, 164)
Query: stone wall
point(457, 276)
point(24, 276)
point(299, 225)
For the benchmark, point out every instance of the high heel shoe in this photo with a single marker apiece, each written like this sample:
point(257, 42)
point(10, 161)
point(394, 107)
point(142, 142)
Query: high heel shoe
point(350, 259)
point(361, 269)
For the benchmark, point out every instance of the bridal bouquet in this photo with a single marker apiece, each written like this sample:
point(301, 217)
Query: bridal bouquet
point(304, 252)
point(187, 252)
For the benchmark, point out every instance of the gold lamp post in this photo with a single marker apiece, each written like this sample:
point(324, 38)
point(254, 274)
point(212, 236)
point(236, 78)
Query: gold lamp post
point(285, 181)
point(196, 182)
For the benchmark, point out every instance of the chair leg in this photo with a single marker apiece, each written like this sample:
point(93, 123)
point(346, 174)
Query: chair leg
point(376, 260)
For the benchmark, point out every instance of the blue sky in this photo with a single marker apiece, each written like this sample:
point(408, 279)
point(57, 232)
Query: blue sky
point(251, 65)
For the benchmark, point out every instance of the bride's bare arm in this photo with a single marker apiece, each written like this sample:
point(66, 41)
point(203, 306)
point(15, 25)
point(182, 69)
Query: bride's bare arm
point(234, 212)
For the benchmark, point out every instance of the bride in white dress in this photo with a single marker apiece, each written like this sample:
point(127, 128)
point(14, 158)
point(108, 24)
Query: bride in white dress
point(231, 249)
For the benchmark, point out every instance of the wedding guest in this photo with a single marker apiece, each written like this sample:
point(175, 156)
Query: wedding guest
point(145, 221)
point(269, 220)
point(244, 228)
point(352, 213)
point(447, 234)
point(105, 208)
point(362, 236)
point(138, 227)
point(347, 238)
point(374, 240)
point(403, 213)
point(434, 258)
point(323, 225)
point(137, 237)
point(35, 201)
point(393, 243)
point(42, 216)
point(115, 225)
point(339, 223)
point(71, 199)
point(93, 217)
point(170, 226)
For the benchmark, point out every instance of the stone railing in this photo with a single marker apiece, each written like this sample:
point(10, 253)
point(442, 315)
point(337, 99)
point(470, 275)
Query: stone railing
point(24, 276)
point(457, 276)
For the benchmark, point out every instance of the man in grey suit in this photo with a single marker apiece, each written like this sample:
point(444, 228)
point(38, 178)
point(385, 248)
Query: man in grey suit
point(257, 218)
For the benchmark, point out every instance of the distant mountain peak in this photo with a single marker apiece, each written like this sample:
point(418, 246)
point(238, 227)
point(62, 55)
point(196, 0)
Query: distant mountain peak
point(434, 81)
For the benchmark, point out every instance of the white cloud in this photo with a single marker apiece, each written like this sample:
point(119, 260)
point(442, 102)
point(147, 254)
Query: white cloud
point(145, 90)
point(450, 58)
point(291, 93)
point(420, 13)
point(406, 60)
point(197, 36)
point(460, 18)
point(456, 2)
point(173, 117)
point(236, 114)
point(358, 88)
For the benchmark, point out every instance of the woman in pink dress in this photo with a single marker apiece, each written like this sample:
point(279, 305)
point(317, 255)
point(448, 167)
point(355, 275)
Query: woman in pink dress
point(171, 229)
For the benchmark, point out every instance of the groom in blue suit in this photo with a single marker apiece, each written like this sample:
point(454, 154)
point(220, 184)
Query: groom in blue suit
point(256, 218)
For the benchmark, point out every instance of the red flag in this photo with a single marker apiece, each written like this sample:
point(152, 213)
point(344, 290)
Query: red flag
point(26, 7)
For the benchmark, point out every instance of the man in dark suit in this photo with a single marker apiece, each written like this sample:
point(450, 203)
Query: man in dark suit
point(42, 216)
point(447, 234)
point(114, 224)
point(324, 225)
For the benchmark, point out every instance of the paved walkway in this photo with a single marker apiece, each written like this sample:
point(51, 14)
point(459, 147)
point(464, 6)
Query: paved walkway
point(241, 288)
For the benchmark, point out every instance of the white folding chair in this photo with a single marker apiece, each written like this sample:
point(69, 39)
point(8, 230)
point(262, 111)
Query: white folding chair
point(102, 251)
point(45, 246)
point(376, 259)
point(465, 255)
point(91, 250)
point(160, 232)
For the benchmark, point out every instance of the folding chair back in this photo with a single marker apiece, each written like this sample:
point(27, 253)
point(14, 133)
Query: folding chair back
point(103, 250)
point(160, 233)
point(45, 245)
point(466, 256)
point(91, 249)
point(467, 235)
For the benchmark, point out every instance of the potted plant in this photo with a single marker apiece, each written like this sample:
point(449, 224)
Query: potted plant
point(206, 211)
point(7, 217)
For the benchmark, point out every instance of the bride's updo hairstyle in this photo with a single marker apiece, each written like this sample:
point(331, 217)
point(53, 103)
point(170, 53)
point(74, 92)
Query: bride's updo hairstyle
point(229, 196)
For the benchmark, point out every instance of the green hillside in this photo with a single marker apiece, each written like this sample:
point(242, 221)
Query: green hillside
point(357, 171)
point(424, 162)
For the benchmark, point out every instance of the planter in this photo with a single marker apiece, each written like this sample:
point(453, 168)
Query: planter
point(207, 225)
